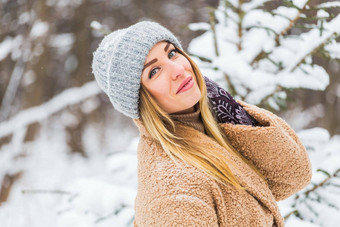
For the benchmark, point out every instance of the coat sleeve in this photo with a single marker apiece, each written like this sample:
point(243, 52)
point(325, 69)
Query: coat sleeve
point(178, 210)
point(274, 149)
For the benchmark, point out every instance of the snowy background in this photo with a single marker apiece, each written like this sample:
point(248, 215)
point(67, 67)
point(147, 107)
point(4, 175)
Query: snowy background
point(67, 158)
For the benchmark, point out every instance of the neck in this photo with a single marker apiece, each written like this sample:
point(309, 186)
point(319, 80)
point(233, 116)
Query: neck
point(192, 119)
point(189, 110)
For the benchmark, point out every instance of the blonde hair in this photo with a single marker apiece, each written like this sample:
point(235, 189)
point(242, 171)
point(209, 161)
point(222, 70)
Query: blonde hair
point(178, 144)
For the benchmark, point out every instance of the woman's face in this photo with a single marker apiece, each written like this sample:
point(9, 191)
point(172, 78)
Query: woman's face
point(170, 79)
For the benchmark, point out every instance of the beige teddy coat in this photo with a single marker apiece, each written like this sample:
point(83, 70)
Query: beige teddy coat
point(181, 195)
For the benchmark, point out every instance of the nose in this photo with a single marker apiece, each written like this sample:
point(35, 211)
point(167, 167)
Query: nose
point(176, 70)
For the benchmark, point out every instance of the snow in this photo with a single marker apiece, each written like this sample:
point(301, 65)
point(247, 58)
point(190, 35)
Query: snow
point(70, 190)
point(10, 45)
point(302, 118)
point(252, 5)
point(289, 65)
point(5, 47)
point(329, 4)
point(199, 26)
point(57, 103)
point(62, 42)
point(324, 155)
point(63, 3)
point(334, 50)
point(202, 41)
point(39, 29)
point(322, 13)
point(313, 39)
point(300, 3)
point(316, 78)
point(24, 18)
point(264, 19)
point(64, 189)
point(96, 25)
point(295, 222)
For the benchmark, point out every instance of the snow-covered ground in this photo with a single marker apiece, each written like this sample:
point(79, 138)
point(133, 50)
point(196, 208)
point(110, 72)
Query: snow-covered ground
point(60, 188)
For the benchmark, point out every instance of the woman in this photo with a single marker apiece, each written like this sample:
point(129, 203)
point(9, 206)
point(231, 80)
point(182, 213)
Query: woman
point(196, 167)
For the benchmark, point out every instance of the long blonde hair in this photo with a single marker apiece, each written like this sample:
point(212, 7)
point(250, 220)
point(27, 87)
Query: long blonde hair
point(176, 144)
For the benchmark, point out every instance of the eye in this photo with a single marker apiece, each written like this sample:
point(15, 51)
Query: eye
point(172, 53)
point(153, 72)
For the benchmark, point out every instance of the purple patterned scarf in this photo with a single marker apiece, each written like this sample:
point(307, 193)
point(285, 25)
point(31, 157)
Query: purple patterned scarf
point(225, 107)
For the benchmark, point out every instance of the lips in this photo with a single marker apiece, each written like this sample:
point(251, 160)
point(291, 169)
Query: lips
point(187, 80)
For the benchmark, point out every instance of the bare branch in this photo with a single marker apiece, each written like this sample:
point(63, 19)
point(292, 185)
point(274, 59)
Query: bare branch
point(212, 24)
point(68, 97)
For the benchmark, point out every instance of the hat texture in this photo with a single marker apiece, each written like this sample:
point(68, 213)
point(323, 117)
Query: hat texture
point(119, 60)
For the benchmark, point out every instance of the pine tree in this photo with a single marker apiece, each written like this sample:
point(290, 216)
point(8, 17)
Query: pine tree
point(260, 51)
point(262, 54)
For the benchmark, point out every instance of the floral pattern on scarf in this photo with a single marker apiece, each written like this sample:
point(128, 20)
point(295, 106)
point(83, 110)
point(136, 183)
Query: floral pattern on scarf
point(226, 109)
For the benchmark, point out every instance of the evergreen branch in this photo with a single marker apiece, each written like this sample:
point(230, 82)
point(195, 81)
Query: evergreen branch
point(295, 212)
point(283, 32)
point(278, 65)
point(200, 57)
point(259, 56)
point(314, 50)
point(316, 186)
point(263, 27)
point(311, 209)
point(323, 171)
point(114, 213)
point(231, 6)
point(290, 4)
point(328, 5)
point(326, 55)
point(277, 89)
point(224, 11)
point(305, 26)
point(316, 18)
point(291, 24)
point(321, 199)
point(277, 14)
point(334, 185)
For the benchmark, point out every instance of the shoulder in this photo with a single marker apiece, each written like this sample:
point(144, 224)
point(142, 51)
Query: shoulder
point(169, 193)
point(159, 175)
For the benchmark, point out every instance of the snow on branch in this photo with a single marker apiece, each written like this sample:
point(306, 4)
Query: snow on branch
point(253, 5)
point(328, 5)
point(281, 33)
point(291, 24)
point(314, 40)
point(68, 97)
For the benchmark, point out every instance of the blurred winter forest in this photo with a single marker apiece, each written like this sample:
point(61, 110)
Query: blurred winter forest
point(67, 158)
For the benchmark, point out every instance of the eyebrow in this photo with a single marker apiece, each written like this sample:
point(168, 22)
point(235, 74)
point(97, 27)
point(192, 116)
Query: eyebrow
point(166, 47)
point(150, 63)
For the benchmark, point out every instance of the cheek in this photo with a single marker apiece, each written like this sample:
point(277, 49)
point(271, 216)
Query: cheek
point(160, 90)
point(186, 64)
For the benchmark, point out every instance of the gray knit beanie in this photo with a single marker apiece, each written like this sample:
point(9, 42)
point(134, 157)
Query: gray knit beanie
point(119, 60)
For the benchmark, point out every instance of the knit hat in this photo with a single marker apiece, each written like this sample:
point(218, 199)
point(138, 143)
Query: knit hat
point(119, 60)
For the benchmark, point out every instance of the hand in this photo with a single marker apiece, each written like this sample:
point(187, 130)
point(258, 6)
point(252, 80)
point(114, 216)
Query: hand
point(224, 106)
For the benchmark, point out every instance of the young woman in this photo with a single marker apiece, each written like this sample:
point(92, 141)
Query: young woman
point(204, 159)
